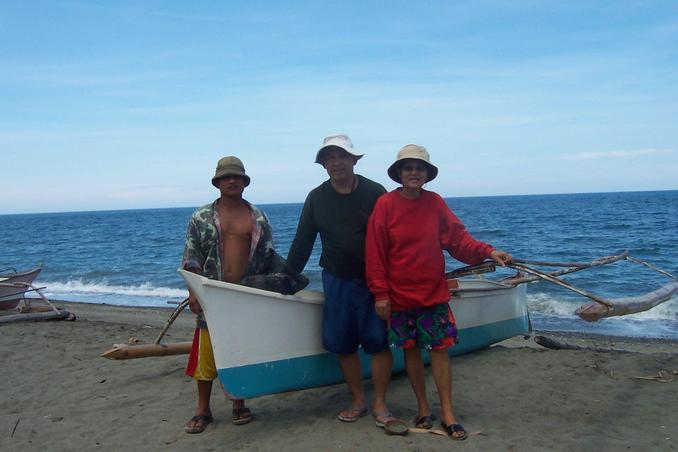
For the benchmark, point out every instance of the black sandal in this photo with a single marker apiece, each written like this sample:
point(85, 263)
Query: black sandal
point(455, 428)
point(425, 422)
point(242, 416)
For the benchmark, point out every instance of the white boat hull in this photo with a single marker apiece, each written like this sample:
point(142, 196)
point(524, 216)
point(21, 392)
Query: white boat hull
point(13, 286)
point(266, 343)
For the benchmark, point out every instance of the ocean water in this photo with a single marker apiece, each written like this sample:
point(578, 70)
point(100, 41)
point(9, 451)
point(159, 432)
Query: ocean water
point(130, 257)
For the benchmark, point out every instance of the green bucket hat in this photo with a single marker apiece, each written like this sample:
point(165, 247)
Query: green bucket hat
point(230, 166)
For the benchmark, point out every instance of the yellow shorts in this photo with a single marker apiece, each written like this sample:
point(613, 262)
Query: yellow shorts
point(201, 364)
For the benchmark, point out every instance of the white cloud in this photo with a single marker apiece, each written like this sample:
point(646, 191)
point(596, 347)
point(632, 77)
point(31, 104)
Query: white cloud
point(615, 154)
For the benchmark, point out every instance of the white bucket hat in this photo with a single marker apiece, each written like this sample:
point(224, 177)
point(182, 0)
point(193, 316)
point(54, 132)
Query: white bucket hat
point(412, 151)
point(339, 141)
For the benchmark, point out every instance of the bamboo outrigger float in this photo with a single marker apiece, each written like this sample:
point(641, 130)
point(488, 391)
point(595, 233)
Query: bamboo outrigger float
point(601, 307)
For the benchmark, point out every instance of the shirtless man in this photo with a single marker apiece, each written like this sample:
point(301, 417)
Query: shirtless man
point(218, 242)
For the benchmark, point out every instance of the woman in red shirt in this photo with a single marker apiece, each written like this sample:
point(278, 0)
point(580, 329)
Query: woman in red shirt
point(407, 231)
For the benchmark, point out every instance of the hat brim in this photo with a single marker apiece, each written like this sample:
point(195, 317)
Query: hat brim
point(394, 170)
point(320, 155)
point(215, 179)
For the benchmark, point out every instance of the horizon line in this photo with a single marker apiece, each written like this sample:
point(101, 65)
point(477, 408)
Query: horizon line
point(301, 202)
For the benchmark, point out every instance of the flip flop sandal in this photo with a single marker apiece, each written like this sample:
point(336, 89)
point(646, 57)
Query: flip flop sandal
point(381, 419)
point(200, 423)
point(396, 427)
point(455, 428)
point(242, 416)
point(352, 414)
point(425, 422)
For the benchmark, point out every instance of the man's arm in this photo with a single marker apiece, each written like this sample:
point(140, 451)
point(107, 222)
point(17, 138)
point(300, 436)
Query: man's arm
point(193, 260)
point(376, 261)
point(302, 245)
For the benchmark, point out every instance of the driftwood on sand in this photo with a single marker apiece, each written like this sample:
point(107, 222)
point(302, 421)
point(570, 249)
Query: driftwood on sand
point(59, 314)
point(553, 344)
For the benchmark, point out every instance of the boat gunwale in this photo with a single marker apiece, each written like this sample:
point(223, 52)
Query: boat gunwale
point(10, 276)
point(458, 292)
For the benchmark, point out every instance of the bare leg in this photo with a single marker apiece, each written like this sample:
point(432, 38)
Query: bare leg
point(382, 363)
point(350, 367)
point(442, 375)
point(204, 394)
point(203, 410)
point(241, 414)
point(415, 373)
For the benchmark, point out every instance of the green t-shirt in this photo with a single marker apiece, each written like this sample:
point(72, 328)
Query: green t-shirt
point(341, 221)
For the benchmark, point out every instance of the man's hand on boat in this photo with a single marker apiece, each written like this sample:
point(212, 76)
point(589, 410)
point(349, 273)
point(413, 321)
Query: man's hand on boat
point(501, 257)
point(193, 304)
point(383, 308)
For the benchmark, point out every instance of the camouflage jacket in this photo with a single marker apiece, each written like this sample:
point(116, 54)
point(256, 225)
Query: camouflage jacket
point(202, 249)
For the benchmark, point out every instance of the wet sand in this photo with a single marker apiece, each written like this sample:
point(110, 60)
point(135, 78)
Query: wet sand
point(59, 394)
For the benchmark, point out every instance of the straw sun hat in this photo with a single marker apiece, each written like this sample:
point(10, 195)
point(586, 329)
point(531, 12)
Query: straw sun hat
point(412, 151)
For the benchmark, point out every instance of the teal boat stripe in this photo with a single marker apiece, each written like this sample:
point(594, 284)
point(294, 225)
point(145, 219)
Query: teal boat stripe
point(323, 369)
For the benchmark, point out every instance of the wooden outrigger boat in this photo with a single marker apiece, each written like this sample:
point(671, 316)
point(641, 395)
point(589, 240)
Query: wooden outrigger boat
point(14, 285)
point(13, 288)
point(285, 352)
point(266, 343)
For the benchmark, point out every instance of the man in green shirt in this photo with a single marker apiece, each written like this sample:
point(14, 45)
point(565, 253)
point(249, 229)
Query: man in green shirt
point(338, 210)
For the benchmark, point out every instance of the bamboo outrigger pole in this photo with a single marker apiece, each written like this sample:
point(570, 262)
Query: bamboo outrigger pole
point(124, 351)
point(628, 305)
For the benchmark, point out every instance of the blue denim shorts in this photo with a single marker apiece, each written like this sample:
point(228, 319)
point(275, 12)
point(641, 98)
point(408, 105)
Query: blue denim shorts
point(349, 318)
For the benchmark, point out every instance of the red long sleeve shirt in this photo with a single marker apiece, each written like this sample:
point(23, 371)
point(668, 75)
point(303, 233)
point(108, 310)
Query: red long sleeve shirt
point(405, 239)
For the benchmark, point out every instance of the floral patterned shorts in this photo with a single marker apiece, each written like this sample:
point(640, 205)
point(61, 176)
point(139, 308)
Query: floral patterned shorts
point(431, 328)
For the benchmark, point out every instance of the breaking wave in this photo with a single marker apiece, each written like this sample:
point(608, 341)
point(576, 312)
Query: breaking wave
point(101, 292)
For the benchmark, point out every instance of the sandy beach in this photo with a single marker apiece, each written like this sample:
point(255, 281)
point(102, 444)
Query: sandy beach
point(59, 394)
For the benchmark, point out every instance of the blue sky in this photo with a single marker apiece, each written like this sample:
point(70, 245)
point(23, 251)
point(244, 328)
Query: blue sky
point(129, 104)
